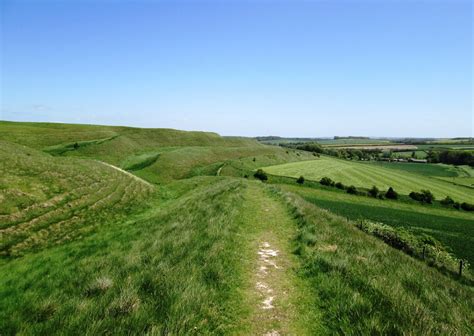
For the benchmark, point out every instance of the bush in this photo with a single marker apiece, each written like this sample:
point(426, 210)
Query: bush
point(300, 180)
point(421, 246)
point(467, 206)
point(447, 201)
point(416, 196)
point(457, 205)
point(339, 185)
point(391, 194)
point(261, 175)
point(374, 192)
point(424, 197)
point(327, 182)
point(352, 190)
point(428, 196)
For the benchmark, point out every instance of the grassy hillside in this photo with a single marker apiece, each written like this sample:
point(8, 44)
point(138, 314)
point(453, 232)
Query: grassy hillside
point(123, 140)
point(46, 200)
point(366, 175)
point(158, 155)
point(455, 229)
point(170, 270)
point(205, 249)
point(364, 287)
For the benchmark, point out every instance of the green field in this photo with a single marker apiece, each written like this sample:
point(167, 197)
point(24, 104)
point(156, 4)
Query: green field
point(116, 230)
point(419, 154)
point(441, 146)
point(353, 142)
point(454, 228)
point(365, 175)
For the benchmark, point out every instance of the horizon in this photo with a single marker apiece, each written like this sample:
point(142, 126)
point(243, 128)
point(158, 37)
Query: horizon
point(289, 69)
point(256, 136)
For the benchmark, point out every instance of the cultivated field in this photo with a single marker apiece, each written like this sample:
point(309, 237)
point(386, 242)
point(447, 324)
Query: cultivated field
point(365, 175)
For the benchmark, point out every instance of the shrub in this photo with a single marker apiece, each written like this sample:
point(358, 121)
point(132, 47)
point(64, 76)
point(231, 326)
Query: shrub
point(261, 175)
point(421, 246)
point(416, 196)
point(467, 206)
point(391, 194)
point(425, 196)
point(327, 181)
point(374, 192)
point(428, 196)
point(300, 180)
point(457, 205)
point(352, 190)
point(447, 201)
point(339, 185)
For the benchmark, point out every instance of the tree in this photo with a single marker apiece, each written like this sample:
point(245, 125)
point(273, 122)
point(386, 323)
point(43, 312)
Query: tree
point(425, 196)
point(352, 190)
point(391, 194)
point(339, 185)
point(300, 180)
point(428, 197)
point(261, 175)
point(447, 201)
point(467, 206)
point(76, 145)
point(413, 154)
point(374, 191)
point(327, 181)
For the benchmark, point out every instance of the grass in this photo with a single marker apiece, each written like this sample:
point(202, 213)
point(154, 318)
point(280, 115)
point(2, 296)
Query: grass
point(366, 175)
point(90, 249)
point(171, 270)
point(48, 200)
point(419, 154)
point(426, 169)
point(186, 162)
point(364, 287)
point(113, 144)
point(455, 229)
point(267, 219)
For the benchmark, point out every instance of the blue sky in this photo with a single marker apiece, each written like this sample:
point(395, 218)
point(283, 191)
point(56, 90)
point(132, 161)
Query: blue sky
point(290, 68)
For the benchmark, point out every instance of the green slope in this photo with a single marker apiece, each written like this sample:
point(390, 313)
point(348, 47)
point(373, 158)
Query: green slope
point(46, 200)
point(455, 229)
point(365, 175)
point(363, 287)
point(90, 249)
point(158, 155)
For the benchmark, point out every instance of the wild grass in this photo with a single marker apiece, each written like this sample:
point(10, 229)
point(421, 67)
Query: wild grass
point(52, 200)
point(363, 286)
point(187, 162)
point(455, 229)
point(171, 270)
point(88, 249)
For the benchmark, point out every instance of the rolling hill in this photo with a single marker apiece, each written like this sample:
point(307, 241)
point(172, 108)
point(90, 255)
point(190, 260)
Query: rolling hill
point(365, 175)
point(116, 230)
